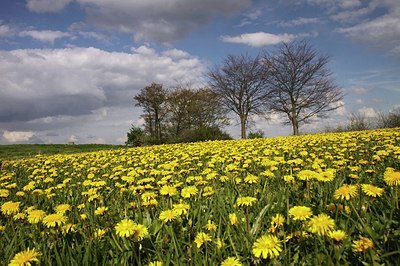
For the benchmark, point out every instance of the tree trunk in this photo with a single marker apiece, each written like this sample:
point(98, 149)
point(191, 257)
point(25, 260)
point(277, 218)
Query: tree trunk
point(295, 125)
point(243, 127)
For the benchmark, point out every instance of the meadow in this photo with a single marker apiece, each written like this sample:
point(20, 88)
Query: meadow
point(329, 199)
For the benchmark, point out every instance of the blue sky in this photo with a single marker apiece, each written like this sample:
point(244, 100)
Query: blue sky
point(69, 69)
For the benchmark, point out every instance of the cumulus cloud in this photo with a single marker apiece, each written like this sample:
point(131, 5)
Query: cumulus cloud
point(15, 136)
point(42, 6)
point(48, 36)
point(368, 112)
point(158, 20)
point(5, 30)
point(258, 39)
point(43, 83)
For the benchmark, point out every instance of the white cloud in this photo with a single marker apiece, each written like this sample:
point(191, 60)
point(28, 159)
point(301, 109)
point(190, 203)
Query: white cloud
point(48, 36)
point(38, 83)
point(42, 6)
point(300, 22)
point(258, 39)
point(17, 136)
point(158, 20)
point(368, 112)
point(72, 138)
point(359, 90)
point(5, 30)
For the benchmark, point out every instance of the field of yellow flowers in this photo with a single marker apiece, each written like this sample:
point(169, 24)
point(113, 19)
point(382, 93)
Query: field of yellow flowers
point(328, 199)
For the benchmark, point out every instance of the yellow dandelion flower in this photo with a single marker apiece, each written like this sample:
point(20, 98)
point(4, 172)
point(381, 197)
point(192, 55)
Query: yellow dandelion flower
point(300, 213)
point(2, 228)
point(10, 207)
point(208, 191)
point(219, 243)
point(245, 201)
point(391, 177)
point(362, 245)
point(326, 176)
point(371, 190)
point(288, 178)
point(337, 235)
point(83, 216)
point(25, 258)
point(267, 246)
point(306, 175)
point(277, 221)
point(100, 210)
point(346, 192)
point(181, 208)
point(210, 226)
point(4, 193)
point(125, 228)
point(231, 261)
point(189, 191)
point(251, 179)
point(233, 219)
point(68, 228)
point(62, 208)
point(168, 215)
point(168, 190)
point(201, 238)
point(99, 233)
point(321, 224)
point(19, 216)
point(55, 219)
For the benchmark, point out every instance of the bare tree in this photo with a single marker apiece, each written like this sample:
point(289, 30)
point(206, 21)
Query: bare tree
point(302, 87)
point(241, 85)
point(153, 100)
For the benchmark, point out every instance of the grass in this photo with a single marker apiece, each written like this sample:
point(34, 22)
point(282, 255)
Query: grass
point(17, 151)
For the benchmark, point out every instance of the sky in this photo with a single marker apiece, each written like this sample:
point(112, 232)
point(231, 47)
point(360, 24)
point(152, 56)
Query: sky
point(69, 69)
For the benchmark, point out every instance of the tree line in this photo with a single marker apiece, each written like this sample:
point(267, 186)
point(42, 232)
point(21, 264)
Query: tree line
point(293, 81)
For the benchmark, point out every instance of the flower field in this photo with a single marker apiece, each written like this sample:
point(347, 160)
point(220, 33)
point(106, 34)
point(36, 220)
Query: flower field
point(327, 199)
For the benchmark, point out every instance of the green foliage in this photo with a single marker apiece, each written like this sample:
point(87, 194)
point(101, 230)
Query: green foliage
point(135, 137)
point(256, 135)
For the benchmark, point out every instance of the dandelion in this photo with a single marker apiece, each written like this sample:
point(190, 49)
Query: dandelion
point(362, 245)
point(321, 224)
point(25, 258)
point(337, 235)
point(100, 210)
point(189, 191)
point(326, 176)
point(391, 177)
point(10, 208)
point(219, 243)
point(245, 201)
point(168, 190)
point(346, 192)
point(19, 216)
point(231, 261)
point(52, 220)
point(251, 179)
point(277, 221)
point(181, 208)
point(68, 228)
point(210, 226)
point(168, 215)
point(99, 233)
point(4, 193)
point(233, 219)
point(288, 178)
point(300, 213)
point(201, 238)
point(371, 190)
point(62, 208)
point(306, 175)
point(267, 246)
point(126, 228)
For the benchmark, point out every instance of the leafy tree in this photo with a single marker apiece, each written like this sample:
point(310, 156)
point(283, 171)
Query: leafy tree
point(256, 135)
point(190, 109)
point(135, 137)
point(153, 100)
point(302, 87)
point(240, 83)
